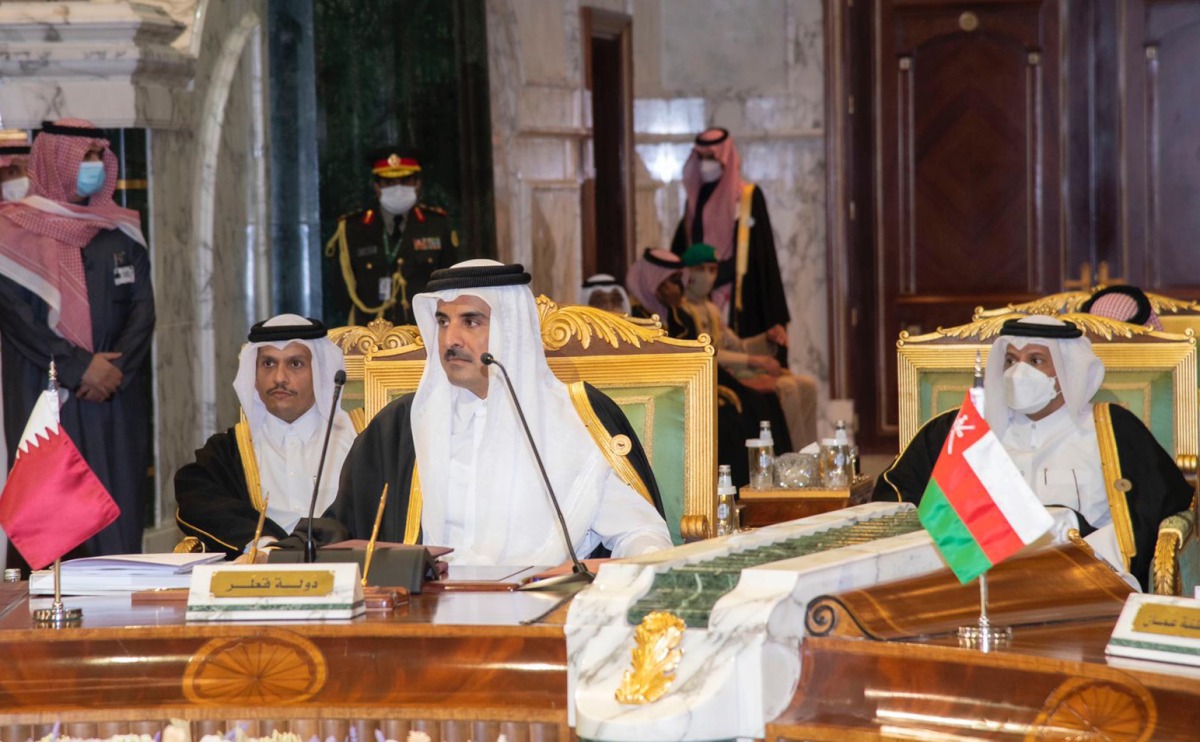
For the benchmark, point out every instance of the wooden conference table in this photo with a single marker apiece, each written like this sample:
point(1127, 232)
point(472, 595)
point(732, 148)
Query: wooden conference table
point(462, 666)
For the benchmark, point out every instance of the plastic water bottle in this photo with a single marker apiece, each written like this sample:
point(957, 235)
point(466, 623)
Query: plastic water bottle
point(762, 464)
point(764, 435)
point(726, 505)
point(838, 472)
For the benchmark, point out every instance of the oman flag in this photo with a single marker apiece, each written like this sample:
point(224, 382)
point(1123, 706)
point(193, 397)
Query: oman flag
point(977, 506)
point(52, 501)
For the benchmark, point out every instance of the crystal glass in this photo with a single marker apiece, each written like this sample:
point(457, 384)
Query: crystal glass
point(794, 470)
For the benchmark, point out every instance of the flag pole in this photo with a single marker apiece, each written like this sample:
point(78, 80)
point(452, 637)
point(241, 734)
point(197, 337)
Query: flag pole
point(57, 615)
point(984, 636)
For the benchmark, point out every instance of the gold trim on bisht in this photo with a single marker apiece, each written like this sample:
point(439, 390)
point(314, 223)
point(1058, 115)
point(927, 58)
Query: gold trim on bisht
point(653, 660)
point(412, 524)
point(1115, 485)
point(358, 418)
point(615, 448)
point(245, 444)
point(185, 543)
point(742, 248)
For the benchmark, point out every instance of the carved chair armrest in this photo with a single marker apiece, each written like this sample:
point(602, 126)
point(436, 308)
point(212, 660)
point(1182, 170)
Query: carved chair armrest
point(1176, 535)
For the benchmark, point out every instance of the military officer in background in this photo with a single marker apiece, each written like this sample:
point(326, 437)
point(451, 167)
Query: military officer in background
point(387, 252)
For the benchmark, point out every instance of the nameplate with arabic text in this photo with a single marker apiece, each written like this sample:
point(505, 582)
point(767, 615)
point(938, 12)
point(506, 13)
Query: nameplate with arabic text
point(272, 584)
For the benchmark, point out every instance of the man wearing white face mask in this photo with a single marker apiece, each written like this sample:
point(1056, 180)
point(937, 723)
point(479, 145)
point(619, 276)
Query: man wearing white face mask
point(730, 214)
point(14, 165)
point(75, 288)
point(1095, 466)
point(387, 254)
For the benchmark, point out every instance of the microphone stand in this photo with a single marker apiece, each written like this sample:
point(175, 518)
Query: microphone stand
point(579, 572)
point(310, 547)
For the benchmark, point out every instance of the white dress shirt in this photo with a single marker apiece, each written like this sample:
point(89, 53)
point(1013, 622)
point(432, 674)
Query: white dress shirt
point(1061, 462)
point(288, 455)
point(624, 518)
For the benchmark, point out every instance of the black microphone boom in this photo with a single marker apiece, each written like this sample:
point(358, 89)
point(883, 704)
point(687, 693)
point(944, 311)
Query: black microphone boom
point(310, 547)
point(581, 572)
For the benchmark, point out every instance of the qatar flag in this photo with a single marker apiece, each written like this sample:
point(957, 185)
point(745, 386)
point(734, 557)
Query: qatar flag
point(52, 501)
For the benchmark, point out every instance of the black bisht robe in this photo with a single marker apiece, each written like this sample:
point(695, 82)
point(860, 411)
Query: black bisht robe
point(764, 304)
point(112, 436)
point(214, 500)
point(384, 453)
point(1158, 487)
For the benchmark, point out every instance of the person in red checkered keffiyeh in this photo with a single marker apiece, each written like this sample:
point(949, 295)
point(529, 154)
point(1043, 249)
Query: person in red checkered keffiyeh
point(75, 288)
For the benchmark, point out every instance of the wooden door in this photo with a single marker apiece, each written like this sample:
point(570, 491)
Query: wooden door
point(1157, 247)
point(968, 204)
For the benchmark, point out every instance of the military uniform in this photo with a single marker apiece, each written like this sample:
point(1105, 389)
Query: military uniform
point(384, 270)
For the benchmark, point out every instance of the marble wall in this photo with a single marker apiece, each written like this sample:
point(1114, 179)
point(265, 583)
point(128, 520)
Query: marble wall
point(754, 68)
point(209, 218)
point(192, 74)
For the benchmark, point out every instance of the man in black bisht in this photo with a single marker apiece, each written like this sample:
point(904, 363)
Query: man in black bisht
point(456, 461)
point(270, 459)
point(731, 215)
point(386, 253)
point(1095, 466)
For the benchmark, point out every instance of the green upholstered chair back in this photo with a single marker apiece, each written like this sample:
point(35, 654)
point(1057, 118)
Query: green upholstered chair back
point(666, 388)
point(1153, 374)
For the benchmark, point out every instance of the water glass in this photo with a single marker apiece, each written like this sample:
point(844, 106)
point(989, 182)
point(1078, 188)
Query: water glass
point(793, 470)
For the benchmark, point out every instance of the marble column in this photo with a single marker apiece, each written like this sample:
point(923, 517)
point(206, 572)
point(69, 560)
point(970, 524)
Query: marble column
point(295, 204)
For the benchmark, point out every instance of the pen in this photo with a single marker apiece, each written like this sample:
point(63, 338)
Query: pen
point(374, 534)
point(262, 518)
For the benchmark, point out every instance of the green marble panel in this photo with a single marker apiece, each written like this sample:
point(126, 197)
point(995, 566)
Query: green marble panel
point(692, 590)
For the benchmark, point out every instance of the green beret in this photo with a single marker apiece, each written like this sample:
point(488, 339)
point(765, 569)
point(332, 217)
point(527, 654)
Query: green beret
point(699, 253)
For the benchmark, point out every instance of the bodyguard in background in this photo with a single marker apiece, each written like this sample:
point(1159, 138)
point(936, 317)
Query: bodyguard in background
point(387, 252)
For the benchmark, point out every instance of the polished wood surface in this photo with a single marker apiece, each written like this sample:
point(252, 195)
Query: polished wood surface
point(758, 508)
point(1071, 585)
point(884, 662)
point(447, 660)
point(1052, 682)
point(463, 666)
point(759, 513)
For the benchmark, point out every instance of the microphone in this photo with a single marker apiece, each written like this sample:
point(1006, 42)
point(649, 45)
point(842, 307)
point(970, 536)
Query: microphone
point(580, 572)
point(310, 547)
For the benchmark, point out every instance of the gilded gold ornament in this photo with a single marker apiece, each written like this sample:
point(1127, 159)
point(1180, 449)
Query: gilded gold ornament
point(654, 658)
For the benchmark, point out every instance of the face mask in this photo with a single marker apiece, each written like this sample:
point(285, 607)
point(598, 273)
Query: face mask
point(1027, 389)
point(710, 170)
point(398, 199)
point(699, 284)
point(91, 178)
point(15, 189)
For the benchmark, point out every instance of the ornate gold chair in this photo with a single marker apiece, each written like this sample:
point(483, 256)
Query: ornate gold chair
point(1153, 374)
point(666, 387)
point(1176, 315)
point(358, 342)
